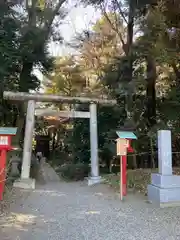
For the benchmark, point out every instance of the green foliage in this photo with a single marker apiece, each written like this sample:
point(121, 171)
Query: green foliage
point(9, 56)
point(66, 77)
point(140, 70)
point(80, 141)
point(24, 43)
point(74, 172)
point(152, 51)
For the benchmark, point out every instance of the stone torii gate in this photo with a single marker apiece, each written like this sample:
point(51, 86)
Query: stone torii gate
point(25, 181)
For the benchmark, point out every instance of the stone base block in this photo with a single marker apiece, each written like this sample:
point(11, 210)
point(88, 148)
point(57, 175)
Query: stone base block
point(28, 183)
point(164, 197)
point(165, 181)
point(94, 180)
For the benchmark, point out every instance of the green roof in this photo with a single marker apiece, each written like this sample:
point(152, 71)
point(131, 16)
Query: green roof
point(8, 131)
point(127, 135)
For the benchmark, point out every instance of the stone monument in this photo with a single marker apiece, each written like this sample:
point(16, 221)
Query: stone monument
point(165, 187)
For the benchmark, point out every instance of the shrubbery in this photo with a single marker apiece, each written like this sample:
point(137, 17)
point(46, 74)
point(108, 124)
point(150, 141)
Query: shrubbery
point(74, 172)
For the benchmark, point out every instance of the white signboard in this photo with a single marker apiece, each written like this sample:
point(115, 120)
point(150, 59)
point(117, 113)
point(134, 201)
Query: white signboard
point(4, 140)
point(122, 145)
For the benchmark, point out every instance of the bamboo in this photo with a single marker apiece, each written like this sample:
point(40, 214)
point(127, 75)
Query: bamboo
point(38, 97)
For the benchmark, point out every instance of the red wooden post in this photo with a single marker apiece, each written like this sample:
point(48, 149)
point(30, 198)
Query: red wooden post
point(124, 180)
point(123, 147)
point(2, 172)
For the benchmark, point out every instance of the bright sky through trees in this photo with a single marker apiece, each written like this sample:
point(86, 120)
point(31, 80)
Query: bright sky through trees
point(77, 20)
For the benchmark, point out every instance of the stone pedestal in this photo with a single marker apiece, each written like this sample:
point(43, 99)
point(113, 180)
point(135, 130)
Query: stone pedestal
point(28, 183)
point(164, 189)
point(94, 180)
point(14, 169)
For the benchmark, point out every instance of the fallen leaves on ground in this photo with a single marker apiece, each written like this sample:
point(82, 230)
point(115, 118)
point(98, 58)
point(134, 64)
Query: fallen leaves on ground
point(136, 179)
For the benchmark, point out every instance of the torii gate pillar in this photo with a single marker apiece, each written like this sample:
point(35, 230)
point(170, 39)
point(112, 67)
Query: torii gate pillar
point(25, 181)
point(94, 178)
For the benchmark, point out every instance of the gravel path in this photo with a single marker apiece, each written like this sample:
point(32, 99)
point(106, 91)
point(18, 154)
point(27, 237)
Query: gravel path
point(73, 211)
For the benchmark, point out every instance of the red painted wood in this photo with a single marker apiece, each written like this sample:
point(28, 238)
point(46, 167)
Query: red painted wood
point(124, 180)
point(2, 172)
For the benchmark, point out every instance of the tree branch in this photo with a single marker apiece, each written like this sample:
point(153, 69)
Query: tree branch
point(121, 11)
point(52, 16)
point(31, 12)
point(116, 30)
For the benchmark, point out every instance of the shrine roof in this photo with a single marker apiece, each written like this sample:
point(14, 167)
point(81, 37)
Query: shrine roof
point(126, 134)
point(8, 131)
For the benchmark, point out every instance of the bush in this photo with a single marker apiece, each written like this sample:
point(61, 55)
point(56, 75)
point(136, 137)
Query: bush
point(74, 172)
point(137, 179)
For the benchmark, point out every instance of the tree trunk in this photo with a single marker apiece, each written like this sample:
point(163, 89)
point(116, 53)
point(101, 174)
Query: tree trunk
point(152, 154)
point(177, 72)
point(23, 87)
point(128, 52)
point(134, 159)
point(25, 76)
point(58, 143)
point(54, 139)
point(27, 66)
point(151, 92)
point(150, 100)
